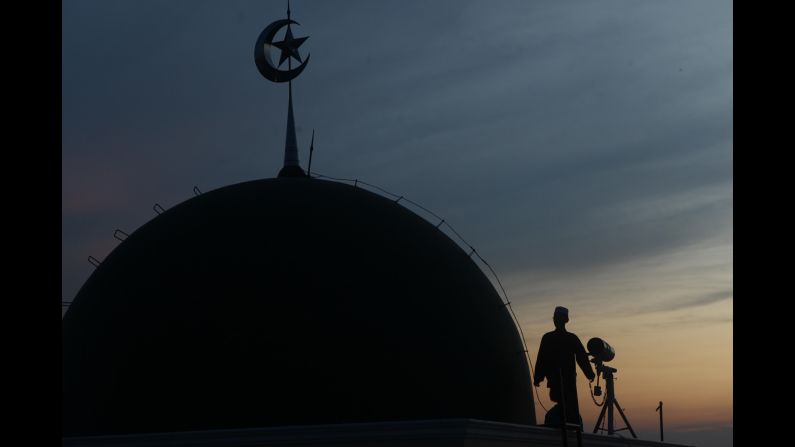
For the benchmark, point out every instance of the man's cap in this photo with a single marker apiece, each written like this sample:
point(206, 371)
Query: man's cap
point(562, 311)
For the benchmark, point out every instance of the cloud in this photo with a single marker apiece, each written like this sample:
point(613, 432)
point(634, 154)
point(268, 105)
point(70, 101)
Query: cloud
point(691, 301)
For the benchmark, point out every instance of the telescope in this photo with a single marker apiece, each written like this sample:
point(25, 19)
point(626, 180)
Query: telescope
point(603, 352)
point(600, 350)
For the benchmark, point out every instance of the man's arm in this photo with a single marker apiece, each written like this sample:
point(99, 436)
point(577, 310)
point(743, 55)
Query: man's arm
point(541, 362)
point(582, 359)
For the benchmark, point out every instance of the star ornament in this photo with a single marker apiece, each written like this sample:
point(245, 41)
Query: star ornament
point(289, 47)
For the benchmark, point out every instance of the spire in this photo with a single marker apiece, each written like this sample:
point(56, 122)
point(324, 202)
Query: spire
point(289, 48)
point(292, 167)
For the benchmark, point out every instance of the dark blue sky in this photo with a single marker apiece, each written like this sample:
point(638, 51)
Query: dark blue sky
point(584, 148)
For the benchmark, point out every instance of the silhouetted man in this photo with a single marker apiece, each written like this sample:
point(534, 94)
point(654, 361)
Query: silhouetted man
point(556, 355)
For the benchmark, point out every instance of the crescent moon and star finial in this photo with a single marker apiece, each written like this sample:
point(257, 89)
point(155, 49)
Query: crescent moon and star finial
point(270, 71)
point(289, 49)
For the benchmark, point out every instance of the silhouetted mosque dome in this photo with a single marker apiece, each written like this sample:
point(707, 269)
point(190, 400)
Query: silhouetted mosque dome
point(288, 302)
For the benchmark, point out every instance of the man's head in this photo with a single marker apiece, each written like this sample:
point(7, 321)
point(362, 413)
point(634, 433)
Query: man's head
point(560, 317)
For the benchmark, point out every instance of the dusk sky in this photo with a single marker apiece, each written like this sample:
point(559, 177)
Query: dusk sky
point(584, 148)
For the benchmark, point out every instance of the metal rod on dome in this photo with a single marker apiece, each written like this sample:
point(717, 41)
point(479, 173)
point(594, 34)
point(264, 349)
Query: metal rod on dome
point(311, 149)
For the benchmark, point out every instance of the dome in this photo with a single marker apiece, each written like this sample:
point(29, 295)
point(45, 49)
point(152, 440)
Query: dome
point(288, 301)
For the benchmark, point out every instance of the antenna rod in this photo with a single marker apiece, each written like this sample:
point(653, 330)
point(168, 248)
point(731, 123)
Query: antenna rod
point(659, 408)
point(311, 149)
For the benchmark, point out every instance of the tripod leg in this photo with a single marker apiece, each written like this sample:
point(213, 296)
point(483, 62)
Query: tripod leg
point(625, 418)
point(599, 421)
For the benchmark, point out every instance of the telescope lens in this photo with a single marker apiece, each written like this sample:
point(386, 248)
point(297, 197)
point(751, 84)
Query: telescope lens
point(600, 349)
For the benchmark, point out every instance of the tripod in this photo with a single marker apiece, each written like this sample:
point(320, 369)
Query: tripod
point(610, 402)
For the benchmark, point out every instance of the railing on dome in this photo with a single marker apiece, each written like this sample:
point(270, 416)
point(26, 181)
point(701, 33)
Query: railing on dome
point(460, 240)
